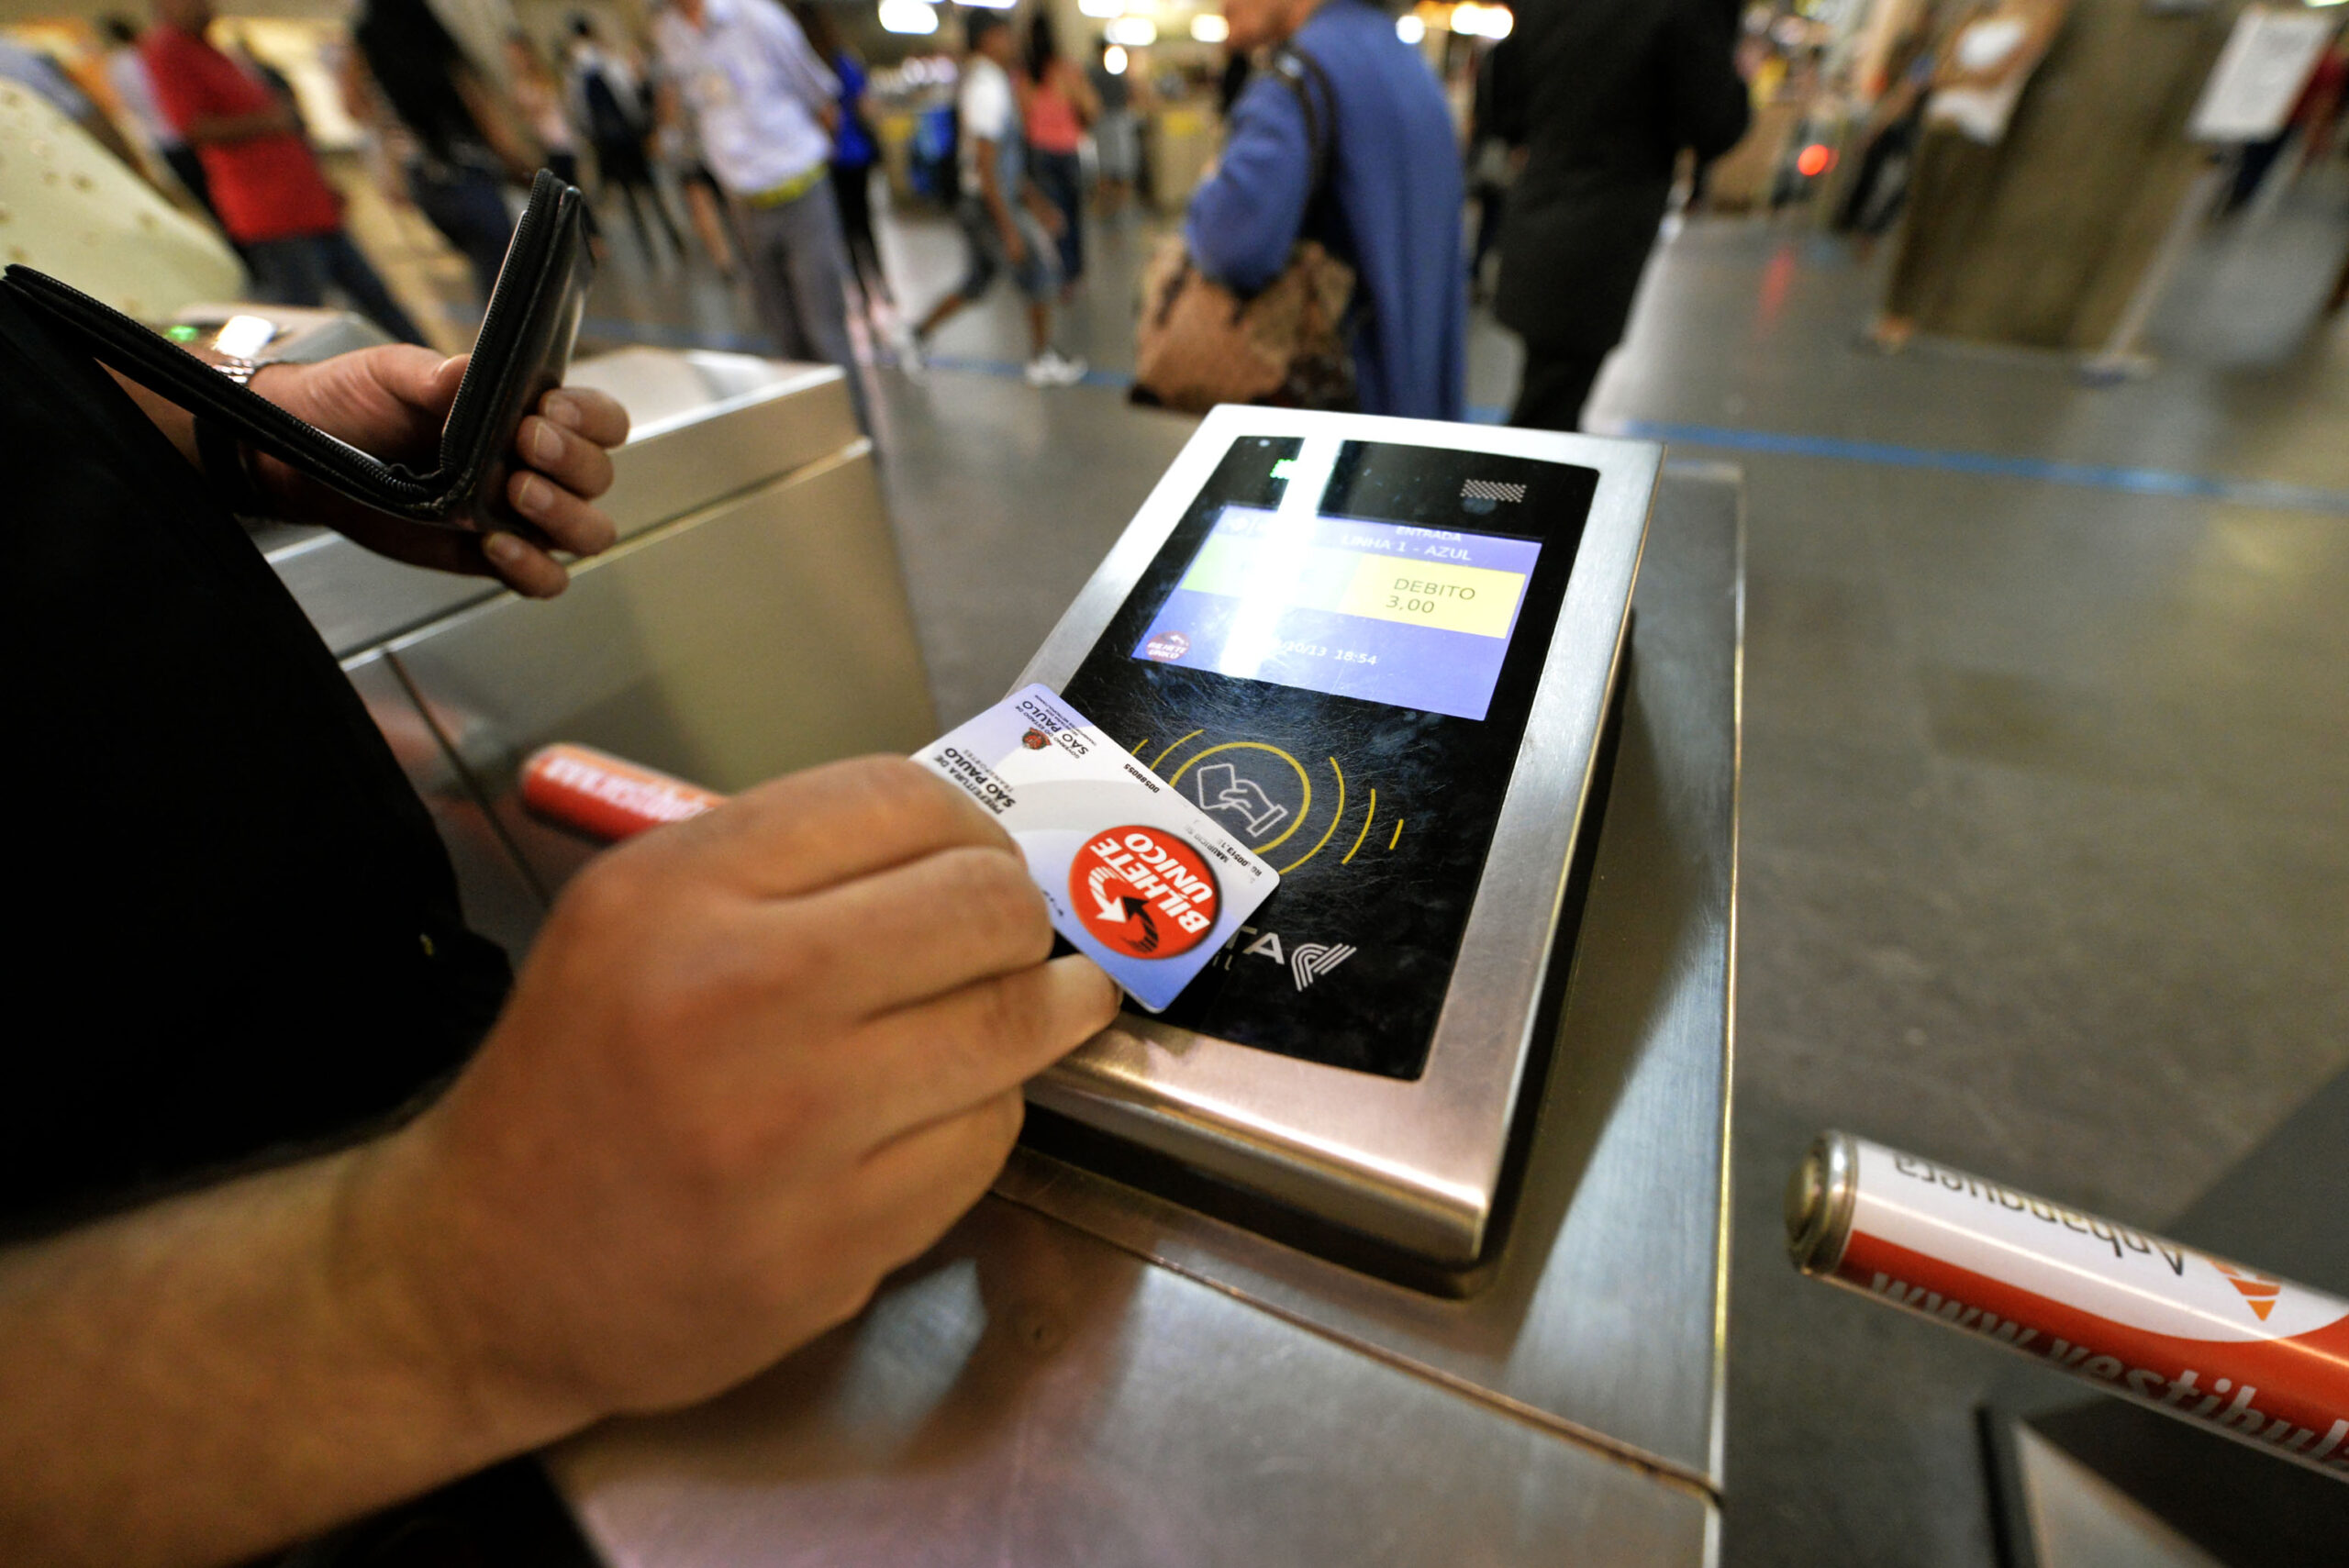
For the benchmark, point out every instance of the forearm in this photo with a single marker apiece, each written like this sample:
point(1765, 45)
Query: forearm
point(176, 423)
point(219, 1373)
point(1233, 237)
point(1244, 219)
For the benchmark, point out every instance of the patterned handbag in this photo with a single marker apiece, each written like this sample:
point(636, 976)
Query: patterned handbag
point(1196, 343)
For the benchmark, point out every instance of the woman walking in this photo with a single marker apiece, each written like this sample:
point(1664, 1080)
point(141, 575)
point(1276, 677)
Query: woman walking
point(1057, 103)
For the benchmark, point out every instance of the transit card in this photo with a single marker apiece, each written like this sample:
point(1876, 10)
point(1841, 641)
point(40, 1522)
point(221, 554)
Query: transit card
point(1137, 878)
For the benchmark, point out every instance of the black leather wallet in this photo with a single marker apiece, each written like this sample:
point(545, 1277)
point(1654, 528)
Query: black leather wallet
point(522, 350)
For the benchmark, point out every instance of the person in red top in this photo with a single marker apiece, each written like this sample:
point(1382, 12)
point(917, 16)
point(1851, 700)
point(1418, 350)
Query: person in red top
point(1057, 104)
point(265, 182)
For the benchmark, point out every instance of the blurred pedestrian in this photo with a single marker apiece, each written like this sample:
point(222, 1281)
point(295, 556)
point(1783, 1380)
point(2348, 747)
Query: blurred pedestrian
point(1117, 132)
point(856, 147)
point(30, 68)
point(1976, 83)
point(764, 106)
point(1880, 184)
point(1006, 223)
point(134, 91)
point(273, 202)
point(676, 153)
point(1603, 95)
point(1492, 165)
point(538, 97)
point(468, 143)
point(1391, 208)
point(1056, 106)
point(607, 100)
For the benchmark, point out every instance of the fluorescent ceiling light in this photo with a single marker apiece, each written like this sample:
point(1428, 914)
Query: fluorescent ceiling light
point(908, 16)
point(1482, 21)
point(1208, 27)
point(1134, 32)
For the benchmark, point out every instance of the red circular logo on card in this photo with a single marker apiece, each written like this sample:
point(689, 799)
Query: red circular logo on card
point(1143, 892)
point(1167, 647)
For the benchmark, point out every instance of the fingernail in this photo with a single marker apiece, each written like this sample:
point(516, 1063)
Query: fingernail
point(503, 548)
point(443, 366)
point(535, 495)
point(545, 445)
point(564, 411)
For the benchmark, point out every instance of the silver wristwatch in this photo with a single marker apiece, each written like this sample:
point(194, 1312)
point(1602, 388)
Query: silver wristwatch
point(243, 371)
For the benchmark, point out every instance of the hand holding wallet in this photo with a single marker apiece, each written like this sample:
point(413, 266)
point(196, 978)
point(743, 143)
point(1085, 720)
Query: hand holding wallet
point(521, 354)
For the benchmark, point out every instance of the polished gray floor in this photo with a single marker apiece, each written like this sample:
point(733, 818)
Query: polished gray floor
point(2047, 791)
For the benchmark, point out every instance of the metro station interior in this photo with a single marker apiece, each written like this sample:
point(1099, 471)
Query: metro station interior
point(1965, 772)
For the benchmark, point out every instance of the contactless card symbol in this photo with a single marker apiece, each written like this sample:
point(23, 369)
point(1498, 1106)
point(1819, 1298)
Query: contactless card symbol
point(1220, 788)
point(1035, 740)
point(1309, 961)
point(1143, 892)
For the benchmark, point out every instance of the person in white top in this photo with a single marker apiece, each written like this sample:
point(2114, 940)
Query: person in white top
point(1006, 222)
point(1983, 70)
point(764, 106)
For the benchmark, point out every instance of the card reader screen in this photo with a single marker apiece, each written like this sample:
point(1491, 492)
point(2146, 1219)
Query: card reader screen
point(1415, 618)
point(1335, 654)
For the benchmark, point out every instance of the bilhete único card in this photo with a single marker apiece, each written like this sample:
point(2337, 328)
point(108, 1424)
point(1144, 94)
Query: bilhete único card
point(1137, 879)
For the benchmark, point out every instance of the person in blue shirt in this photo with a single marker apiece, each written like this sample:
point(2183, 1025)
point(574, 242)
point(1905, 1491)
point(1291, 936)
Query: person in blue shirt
point(856, 149)
point(1394, 212)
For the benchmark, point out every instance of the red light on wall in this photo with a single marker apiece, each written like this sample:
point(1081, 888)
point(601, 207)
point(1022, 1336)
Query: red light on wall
point(1814, 161)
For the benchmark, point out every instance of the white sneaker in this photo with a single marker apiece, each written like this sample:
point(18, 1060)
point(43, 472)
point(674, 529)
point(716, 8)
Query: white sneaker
point(1051, 367)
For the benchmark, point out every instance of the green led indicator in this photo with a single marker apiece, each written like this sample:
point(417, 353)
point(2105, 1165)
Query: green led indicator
point(1284, 468)
point(181, 333)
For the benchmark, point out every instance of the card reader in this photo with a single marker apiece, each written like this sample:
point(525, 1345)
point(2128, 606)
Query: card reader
point(1381, 653)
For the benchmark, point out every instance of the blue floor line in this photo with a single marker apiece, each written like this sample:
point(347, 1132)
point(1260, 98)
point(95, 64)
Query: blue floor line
point(2092, 476)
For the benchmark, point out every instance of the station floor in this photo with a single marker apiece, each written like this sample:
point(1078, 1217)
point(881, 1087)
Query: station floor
point(2045, 835)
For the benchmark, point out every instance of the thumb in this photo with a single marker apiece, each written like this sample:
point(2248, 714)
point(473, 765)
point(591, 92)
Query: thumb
point(418, 376)
point(445, 377)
